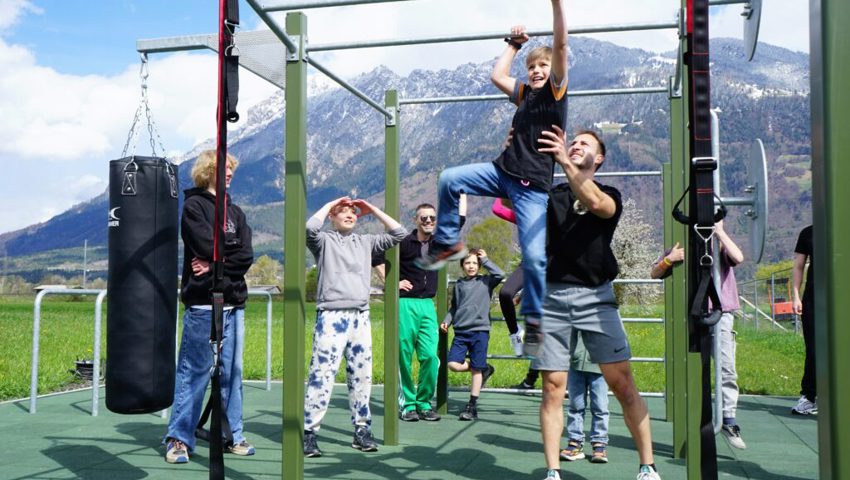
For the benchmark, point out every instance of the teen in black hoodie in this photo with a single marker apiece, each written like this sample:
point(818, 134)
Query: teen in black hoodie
point(195, 358)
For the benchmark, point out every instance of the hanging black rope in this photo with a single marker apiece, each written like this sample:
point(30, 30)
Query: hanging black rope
point(701, 220)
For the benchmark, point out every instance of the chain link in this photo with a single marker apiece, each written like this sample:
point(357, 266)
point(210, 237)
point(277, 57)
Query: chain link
point(153, 133)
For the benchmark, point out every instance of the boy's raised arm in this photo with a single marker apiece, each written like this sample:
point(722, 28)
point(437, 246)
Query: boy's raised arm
point(559, 44)
point(501, 74)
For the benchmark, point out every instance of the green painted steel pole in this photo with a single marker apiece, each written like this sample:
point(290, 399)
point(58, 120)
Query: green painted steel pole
point(675, 286)
point(669, 358)
point(830, 100)
point(391, 341)
point(295, 246)
point(443, 345)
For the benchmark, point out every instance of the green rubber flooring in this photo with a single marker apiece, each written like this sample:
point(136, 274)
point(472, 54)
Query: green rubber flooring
point(64, 441)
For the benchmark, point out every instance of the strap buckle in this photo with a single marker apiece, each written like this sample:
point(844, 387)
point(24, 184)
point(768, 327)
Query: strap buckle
point(706, 260)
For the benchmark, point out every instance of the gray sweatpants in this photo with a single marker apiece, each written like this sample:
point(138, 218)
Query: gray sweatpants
point(728, 372)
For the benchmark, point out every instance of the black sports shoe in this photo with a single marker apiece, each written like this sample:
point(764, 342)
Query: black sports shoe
point(533, 339)
point(469, 413)
point(429, 415)
point(486, 374)
point(363, 440)
point(311, 446)
point(523, 385)
point(409, 416)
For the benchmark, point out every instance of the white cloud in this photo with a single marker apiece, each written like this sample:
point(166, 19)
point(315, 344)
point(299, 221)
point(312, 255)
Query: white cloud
point(11, 12)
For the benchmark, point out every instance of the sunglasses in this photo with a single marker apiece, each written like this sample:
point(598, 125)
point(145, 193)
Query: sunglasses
point(427, 218)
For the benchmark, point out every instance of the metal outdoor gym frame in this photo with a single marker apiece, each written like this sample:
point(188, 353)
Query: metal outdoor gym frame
point(830, 105)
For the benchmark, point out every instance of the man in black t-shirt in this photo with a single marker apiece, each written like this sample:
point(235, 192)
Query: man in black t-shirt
point(582, 217)
point(807, 405)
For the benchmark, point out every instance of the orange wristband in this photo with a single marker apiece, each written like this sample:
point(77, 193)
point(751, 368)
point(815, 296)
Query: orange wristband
point(667, 262)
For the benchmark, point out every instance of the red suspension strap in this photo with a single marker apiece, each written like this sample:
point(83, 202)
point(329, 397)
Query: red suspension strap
point(228, 87)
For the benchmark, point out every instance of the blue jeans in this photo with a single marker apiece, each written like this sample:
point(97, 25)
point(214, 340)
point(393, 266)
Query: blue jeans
point(193, 373)
point(529, 204)
point(578, 384)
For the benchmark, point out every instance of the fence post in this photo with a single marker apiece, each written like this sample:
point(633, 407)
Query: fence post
point(756, 301)
point(772, 296)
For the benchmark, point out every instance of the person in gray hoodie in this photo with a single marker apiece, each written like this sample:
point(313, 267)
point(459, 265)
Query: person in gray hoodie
point(470, 316)
point(343, 260)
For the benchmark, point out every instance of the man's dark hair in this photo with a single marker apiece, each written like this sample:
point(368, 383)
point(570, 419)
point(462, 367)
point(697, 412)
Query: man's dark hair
point(596, 136)
point(424, 205)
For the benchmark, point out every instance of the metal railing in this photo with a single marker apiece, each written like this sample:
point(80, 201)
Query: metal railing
point(98, 315)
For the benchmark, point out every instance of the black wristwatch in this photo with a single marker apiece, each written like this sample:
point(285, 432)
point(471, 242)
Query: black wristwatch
point(510, 41)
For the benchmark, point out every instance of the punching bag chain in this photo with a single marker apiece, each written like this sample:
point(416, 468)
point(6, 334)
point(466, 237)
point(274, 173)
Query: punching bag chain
point(153, 133)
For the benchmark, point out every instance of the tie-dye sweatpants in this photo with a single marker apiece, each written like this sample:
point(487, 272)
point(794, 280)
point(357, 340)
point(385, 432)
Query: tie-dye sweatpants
point(339, 333)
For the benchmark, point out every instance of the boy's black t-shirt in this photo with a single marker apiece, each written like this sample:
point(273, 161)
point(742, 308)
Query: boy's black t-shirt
point(804, 247)
point(537, 111)
point(579, 245)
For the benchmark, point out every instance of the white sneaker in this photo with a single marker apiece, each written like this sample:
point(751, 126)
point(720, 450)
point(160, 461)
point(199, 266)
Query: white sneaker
point(733, 436)
point(805, 407)
point(648, 473)
point(553, 475)
point(516, 341)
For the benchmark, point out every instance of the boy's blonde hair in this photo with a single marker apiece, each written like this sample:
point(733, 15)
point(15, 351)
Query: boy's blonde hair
point(203, 171)
point(538, 53)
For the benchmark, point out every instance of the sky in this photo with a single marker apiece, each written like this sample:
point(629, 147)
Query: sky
point(70, 83)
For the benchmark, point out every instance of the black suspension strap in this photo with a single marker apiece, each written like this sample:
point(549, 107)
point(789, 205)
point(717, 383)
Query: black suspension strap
point(702, 219)
point(228, 86)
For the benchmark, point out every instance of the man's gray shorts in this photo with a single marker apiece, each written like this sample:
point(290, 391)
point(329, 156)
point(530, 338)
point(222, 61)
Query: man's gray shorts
point(570, 309)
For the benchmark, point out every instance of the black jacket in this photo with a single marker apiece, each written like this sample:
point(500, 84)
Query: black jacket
point(424, 281)
point(196, 230)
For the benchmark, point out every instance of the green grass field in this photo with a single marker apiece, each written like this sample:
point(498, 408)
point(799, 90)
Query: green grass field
point(769, 362)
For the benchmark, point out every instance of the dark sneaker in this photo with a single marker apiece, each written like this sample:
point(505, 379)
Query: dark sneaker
point(486, 374)
point(409, 416)
point(242, 448)
point(311, 445)
point(532, 340)
point(438, 255)
point(733, 436)
point(469, 413)
point(176, 451)
point(429, 415)
point(363, 440)
point(523, 385)
point(573, 451)
point(600, 454)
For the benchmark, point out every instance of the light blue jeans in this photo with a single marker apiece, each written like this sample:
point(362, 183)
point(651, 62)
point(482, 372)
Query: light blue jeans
point(193, 373)
point(529, 205)
point(578, 385)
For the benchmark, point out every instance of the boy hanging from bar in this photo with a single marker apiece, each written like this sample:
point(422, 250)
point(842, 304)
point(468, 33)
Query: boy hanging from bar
point(521, 172)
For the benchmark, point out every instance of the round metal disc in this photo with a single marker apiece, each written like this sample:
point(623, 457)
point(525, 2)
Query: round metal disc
point(752, 18)
point(757, 186)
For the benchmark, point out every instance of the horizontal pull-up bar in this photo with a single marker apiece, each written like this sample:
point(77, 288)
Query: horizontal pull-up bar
point(273, 25)
point(351, 88)
point(284, 5)
point(625, 27)
point(501, 97)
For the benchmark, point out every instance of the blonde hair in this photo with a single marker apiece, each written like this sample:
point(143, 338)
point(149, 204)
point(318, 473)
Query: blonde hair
point(537, 54)
point(203, 171)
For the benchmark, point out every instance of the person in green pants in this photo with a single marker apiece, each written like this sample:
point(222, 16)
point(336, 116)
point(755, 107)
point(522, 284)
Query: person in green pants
point(417, 318)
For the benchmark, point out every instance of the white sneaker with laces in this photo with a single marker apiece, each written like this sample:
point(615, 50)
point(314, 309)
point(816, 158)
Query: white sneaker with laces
point(805, 407)
point(516, 341)
point(648, 473)
point(733, 436)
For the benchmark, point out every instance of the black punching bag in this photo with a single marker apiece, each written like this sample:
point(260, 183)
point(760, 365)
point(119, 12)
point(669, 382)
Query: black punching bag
point(142, 285)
